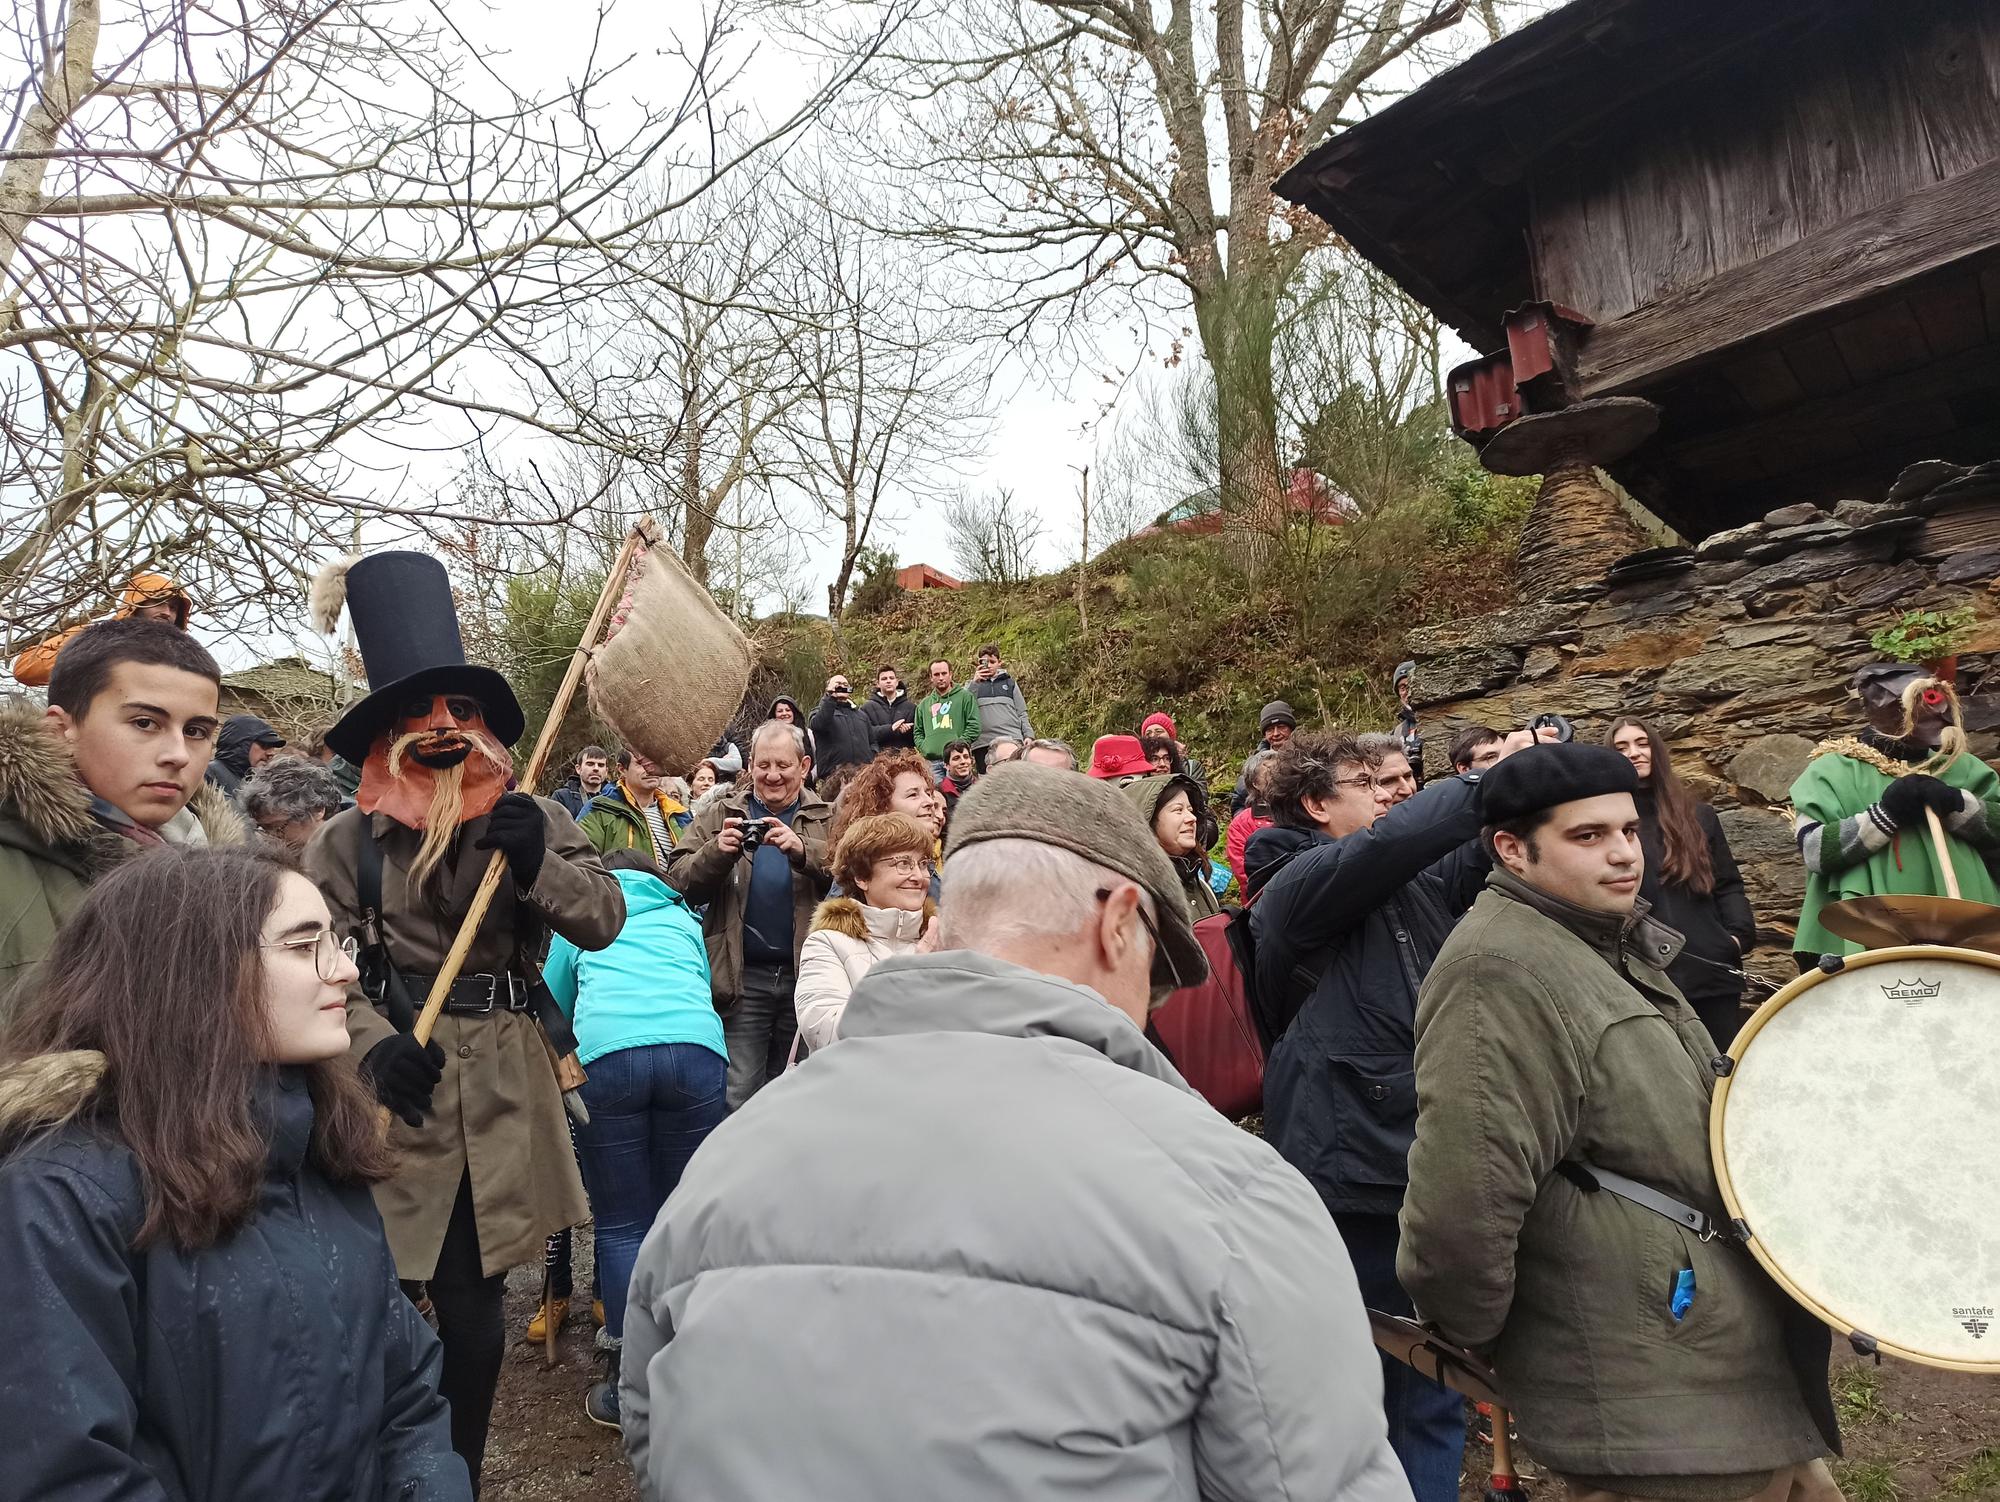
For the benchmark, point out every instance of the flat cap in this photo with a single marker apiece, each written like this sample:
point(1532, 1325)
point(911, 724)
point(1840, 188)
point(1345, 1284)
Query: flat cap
point(1543, 776)
point(1093, 819)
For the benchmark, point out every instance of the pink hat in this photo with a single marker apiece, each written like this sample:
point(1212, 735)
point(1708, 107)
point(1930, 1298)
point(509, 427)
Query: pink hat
point(1162, 719)
point(1118, 756)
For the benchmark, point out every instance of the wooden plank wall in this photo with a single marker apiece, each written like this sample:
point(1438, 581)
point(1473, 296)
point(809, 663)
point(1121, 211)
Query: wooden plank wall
point(1749, 158)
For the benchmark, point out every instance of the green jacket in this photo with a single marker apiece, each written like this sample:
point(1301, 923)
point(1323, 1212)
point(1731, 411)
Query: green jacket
point(1852, 849)
point(944, 718)
point(1547, 1034)
point(52, 848)
point(611, 823)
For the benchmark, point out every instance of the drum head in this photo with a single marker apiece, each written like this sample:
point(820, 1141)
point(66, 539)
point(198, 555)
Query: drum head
point(1856, 1138)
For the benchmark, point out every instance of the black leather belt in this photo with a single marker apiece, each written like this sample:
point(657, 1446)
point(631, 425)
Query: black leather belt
point(476, 995)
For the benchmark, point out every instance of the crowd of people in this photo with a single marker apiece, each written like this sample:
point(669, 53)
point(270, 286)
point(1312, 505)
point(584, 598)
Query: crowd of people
point(980, 1238)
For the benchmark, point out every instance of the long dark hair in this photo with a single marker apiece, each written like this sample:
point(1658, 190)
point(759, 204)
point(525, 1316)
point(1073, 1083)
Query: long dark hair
point(161, 970)
point(1684, 857)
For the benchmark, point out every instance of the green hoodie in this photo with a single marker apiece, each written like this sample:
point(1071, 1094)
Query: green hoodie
point(944, 718)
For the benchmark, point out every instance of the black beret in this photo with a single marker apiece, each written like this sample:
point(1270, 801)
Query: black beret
point(1542, 776)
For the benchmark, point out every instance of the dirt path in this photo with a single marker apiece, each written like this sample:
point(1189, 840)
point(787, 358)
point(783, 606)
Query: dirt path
point(1913, 1435)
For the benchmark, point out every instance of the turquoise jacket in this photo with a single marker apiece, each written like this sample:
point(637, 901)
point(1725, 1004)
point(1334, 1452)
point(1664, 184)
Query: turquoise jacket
point(651, 985)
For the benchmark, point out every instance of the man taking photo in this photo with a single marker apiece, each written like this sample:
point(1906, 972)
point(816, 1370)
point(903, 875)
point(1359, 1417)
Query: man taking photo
point(841, 734)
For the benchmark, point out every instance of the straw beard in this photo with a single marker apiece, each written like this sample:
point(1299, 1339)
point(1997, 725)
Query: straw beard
point(433, 782)
point(1951, 737)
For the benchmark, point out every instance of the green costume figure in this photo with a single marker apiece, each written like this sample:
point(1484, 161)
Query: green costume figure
point(1858, 808)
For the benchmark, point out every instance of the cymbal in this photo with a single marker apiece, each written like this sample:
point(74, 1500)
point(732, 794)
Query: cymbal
point(1912, 918)
point(1435, 1357)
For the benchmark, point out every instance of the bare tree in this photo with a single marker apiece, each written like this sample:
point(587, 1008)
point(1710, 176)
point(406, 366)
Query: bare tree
point(892, 398)
point(253, 255)
point(992, 540)
point(1093, 147)
point(1361, 394)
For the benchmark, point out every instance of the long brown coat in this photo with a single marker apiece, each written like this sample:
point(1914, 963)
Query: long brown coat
point(497, 1111)
point(702, 873)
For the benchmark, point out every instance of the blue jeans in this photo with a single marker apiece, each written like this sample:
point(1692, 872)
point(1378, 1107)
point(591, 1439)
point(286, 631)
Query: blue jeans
point(1426, 1421)
point(650, 1108)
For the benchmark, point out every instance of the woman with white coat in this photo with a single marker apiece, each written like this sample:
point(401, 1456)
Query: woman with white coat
point(884, 860)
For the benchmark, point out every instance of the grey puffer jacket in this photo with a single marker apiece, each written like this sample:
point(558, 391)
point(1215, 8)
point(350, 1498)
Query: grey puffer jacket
point(923, 1290)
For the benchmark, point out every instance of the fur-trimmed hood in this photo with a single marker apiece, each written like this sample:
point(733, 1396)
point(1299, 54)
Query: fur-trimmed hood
point(39, 790)
point(41, 799)
point(46, 1091)
point(845, 916)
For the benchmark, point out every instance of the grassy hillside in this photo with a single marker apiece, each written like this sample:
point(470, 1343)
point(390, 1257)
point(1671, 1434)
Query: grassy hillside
point(1174, 625)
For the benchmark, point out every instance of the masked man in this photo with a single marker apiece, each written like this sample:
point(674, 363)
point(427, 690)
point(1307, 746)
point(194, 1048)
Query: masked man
point(486, 1169)
point(1859, 806)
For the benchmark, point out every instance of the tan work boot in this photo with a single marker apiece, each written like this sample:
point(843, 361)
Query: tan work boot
point(538, 1329)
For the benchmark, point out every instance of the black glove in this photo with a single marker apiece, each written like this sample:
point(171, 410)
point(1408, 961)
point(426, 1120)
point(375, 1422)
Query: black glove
point(515, 829)
point(1905, 799)
point(403, 1074)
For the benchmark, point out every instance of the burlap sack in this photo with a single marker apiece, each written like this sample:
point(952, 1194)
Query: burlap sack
point(673, 667)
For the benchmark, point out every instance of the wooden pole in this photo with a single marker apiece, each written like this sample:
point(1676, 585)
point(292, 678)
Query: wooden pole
point(454, 961)
point(1943, 854)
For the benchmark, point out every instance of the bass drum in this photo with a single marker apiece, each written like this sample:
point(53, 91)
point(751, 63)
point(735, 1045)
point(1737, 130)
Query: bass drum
point(1857, 1139)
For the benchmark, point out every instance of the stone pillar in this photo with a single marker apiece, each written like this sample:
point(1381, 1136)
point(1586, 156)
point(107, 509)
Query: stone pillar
point(1577, 529)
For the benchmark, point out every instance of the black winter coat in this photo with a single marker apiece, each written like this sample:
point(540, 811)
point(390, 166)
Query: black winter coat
point(842, 733)
point(1345, 931)
point(282, 1362)
point(884, 713)
point(1719, 927)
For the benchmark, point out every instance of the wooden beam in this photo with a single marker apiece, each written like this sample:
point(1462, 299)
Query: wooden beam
point(1919, 233)
point(1721, 448)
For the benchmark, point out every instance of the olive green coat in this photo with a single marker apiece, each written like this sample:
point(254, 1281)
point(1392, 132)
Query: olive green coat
point(497, 1114)
point(51, 848)
point(1544, 1034)
point(700, 871)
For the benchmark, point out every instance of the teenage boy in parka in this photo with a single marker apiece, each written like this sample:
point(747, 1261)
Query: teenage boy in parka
point(113, 766)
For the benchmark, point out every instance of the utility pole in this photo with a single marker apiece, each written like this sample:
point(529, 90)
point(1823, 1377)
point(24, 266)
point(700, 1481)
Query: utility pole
point(1083, 561)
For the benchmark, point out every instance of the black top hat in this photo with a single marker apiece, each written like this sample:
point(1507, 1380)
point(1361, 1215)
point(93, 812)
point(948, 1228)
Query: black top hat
point(407, 628)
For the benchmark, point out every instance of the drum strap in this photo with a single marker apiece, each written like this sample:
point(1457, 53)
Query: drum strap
point(1590, 1180)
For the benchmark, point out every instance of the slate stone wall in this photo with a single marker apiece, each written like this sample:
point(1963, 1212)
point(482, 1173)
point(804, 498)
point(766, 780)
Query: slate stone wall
point(1741, 658)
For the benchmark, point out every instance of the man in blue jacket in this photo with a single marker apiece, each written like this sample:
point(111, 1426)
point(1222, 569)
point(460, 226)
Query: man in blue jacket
point(1353, 905)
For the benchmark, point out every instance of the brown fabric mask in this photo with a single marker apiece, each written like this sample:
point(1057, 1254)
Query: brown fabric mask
point(433, 772)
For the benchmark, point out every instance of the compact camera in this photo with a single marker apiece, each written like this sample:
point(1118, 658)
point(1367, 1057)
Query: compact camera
point(754, 831)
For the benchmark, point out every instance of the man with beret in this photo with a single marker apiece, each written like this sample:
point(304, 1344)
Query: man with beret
point(1859, 806)
point(1563, 1089)
point(993, 1246)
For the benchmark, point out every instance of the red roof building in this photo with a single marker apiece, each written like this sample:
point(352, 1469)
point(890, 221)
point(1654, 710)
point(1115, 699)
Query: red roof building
point(921, 576)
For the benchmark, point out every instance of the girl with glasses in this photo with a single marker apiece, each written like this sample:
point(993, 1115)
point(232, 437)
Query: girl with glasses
point(196, 1264)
